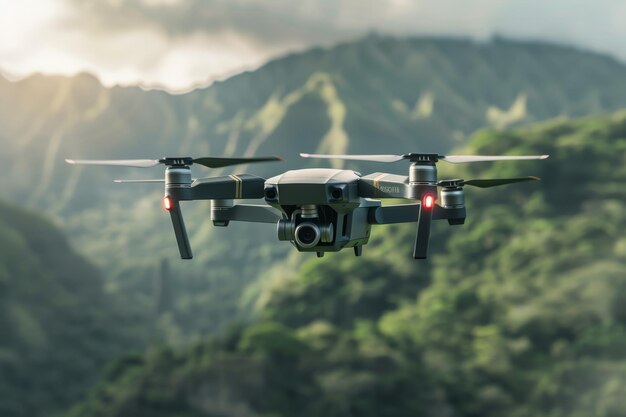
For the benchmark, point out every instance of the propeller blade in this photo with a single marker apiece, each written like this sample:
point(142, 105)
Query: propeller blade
point(136, 181)
point(454, 159)
point(371, 158)
point(458, 159)
point(135, 163)
point(211, 162)
point(497, 182)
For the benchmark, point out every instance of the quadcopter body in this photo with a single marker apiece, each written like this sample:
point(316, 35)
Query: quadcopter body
point(319, 209)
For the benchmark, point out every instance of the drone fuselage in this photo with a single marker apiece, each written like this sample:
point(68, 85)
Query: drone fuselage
point(317, 210)
point(322, 210)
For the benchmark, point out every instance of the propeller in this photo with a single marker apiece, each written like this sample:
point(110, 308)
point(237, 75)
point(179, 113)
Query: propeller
point(135, 163)
point(209, 162)
point(485, 183)
point(427, 157)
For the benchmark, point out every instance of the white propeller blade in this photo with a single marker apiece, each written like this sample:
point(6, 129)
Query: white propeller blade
point(135, 163)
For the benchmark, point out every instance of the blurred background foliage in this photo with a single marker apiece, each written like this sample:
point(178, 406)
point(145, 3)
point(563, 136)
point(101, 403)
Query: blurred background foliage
point(519, 312)
point(58, 326)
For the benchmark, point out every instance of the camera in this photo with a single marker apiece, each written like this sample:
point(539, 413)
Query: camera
point(305, 229)
point(307, 234)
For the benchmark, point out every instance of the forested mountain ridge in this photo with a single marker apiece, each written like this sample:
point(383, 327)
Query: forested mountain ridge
point(377, 94)
point(58, 328)
point(519, 312)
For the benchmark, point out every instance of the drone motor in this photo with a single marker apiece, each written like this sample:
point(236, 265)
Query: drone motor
point(452, 197)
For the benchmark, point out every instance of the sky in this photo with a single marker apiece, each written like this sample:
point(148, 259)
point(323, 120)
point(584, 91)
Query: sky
point(179, 44)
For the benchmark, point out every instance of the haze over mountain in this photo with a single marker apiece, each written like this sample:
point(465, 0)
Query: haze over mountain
point(376, 95)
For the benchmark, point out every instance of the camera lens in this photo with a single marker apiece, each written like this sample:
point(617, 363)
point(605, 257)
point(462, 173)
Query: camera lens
point(336, 193)
point(307, 235)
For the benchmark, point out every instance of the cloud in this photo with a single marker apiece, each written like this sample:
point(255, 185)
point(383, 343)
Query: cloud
point(277, 24)
point(271, 22)
point(178, 43)
point(264, 23)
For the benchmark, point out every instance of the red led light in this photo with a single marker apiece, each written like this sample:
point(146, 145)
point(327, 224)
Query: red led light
point(428, 201)
point(167, 203)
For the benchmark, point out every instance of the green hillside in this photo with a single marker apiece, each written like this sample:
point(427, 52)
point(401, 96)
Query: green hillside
point(58, 329)
point(377, 94)
point(520, 312)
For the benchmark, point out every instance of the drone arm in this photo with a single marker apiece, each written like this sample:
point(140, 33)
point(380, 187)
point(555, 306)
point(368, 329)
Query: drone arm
point(400, 213)
point(406, 213)
point(227, 188)
point(383, 185)
point(454, 215)
point(179, 229)
point(254, 213)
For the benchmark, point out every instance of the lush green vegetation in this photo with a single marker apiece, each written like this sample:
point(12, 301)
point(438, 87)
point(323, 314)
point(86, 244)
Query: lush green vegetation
point(57, 327)
point(521, 312)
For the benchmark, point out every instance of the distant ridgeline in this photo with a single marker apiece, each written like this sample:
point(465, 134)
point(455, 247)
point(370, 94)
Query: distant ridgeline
point(375, 95)
point(523, 314)
point(57, 327)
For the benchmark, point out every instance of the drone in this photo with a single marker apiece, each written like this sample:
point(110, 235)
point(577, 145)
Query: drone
point(321, 209)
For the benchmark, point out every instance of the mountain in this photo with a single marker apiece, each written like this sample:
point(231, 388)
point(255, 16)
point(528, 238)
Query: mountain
point(520, 312)
point(378, 94)
point(58, 326)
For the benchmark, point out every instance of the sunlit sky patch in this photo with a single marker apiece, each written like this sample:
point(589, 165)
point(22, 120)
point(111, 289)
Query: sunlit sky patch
point(177, 44)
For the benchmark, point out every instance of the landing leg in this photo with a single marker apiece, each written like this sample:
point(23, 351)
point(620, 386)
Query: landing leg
point(420, 250)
